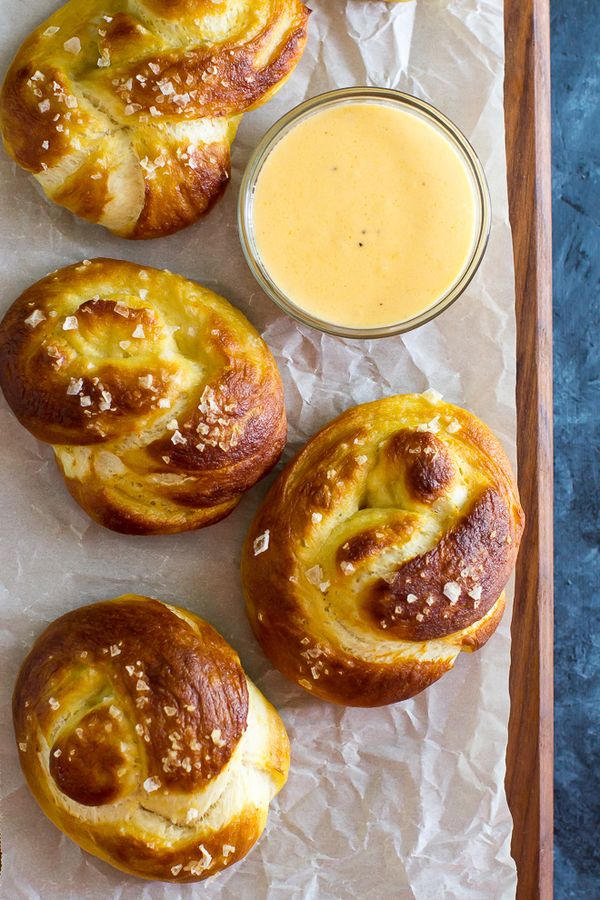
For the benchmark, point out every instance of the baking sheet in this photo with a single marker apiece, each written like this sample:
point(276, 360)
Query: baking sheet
point(401, 802)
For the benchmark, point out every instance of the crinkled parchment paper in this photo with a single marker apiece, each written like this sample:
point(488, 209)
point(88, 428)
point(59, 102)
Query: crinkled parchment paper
point(401, 802)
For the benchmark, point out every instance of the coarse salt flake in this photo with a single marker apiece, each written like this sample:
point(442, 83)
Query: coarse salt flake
point(261, 543)
point(475, 592)
point(178, 438)
point(115, 650)
point(53, 703)
point(452, 591)
point(51, 31)
point(75, 386)
point(216, 738)
point(175, 870)
point(170, 711)
point(139, 332)
point(151, 784)
point(73, 45)
point(314, 575)
point(432, 395)
point(316, 517)
point(70, 323)
point(453, 426)
point(35, 318)
point(411, 598)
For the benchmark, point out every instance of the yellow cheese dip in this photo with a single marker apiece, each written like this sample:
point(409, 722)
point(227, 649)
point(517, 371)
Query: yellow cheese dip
point(364, 214)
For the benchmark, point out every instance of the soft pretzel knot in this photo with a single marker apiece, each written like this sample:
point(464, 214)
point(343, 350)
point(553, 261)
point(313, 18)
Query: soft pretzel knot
point(125, 110)
point(162, 402)
point(143, 740)
point(383, 549)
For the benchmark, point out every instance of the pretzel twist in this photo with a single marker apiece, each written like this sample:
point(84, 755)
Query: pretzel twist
point(162, 403)
point(125, 110)
point(382, 550)
point(143, 740)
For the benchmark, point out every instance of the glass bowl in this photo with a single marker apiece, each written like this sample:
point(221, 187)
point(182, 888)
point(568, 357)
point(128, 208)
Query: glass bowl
point(361, 95)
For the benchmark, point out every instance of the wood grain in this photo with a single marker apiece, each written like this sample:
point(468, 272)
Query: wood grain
point(529, 780)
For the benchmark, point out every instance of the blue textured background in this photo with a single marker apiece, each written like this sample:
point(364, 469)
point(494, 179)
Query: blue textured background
point(576, 142)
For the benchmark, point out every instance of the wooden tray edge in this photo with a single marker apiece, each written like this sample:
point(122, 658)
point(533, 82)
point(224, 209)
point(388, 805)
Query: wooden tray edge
point(529, 778)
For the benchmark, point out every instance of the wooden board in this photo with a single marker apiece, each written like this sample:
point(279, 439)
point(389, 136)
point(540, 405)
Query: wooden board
point(529, 779)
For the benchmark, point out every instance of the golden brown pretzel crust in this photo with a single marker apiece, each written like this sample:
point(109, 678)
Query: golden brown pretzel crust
point(125, 110)
point(143, 740)
point(162, 402)
point(382, 550)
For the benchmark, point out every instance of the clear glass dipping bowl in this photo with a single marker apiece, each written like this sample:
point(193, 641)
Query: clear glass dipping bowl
point(361, 95)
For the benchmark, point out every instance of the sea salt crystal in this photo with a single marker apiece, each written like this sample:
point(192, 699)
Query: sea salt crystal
point(35, 318)
point(452, 591)
point(261, 543)
point(314, 575)
point(70, 323)
point(151, 784)
point(216, 738)
point(432, 395)
point(73, 45)
point(75, 384)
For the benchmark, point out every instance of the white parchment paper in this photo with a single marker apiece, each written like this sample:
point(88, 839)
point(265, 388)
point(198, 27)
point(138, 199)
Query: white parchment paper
point(401, 802)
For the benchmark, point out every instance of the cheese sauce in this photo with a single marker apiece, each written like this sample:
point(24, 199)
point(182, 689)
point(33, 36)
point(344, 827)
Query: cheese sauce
point(364, 215)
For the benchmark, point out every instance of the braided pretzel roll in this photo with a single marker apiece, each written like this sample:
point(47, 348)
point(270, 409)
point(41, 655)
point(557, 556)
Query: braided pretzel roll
point(125, 110)
point(162, 402)
point(143, 740)
point(382, 550)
